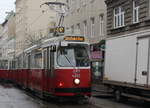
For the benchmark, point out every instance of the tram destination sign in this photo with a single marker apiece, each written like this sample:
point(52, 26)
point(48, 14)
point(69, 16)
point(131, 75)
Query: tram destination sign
point(74, 38)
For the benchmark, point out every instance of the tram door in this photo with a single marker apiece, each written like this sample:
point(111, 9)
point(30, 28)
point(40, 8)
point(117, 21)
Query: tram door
point(143, 61)
point(51, 69)
point(45, 63)
point(29, 71)
point(48, 68)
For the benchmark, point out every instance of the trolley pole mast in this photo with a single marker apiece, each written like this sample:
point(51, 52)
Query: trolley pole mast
point(61, 9)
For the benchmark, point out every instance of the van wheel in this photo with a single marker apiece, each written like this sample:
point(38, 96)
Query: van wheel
point(117, 95)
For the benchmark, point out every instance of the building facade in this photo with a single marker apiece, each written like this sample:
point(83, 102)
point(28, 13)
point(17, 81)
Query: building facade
point(33, 22)
point(127, 16)
point(89, 18)
point(11, 24)
point(20, 24)
point(7, 40)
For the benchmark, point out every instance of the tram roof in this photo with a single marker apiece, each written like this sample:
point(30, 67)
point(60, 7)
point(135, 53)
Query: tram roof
point(56, 40)
point(53, 41)
point(30, 48)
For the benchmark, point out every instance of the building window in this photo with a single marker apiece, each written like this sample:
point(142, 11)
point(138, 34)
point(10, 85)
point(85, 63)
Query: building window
point(91, 0)
point(85, 28)
point(83, 2)
point(72, 29)
point(92, 27)
point(72, 5)
point(118, 17)
point(101, 26)
point(135, 11)
point(78, 27)
point(67, 1)
point(78, 4)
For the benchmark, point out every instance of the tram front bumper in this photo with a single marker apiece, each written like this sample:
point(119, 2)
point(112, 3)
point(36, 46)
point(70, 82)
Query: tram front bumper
point(73, 91)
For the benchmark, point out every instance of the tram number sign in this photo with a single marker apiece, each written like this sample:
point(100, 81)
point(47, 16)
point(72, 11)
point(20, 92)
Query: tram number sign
point(60, 29)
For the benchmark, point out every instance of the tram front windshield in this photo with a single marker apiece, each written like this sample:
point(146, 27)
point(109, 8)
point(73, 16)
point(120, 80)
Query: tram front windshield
point(73, 56)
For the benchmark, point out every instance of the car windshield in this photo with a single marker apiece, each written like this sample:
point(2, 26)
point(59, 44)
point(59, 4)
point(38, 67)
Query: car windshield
point(73, 56)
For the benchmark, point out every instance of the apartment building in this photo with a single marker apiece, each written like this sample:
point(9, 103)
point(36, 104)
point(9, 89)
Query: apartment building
point(33, 22)
point(11, 17)
point(127, 17)
point(89, 18)
point(7, 37)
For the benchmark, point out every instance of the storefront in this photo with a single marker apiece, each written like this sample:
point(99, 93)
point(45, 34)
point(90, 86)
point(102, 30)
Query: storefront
point(97, 62)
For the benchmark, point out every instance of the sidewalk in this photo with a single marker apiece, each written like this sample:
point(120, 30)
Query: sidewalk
point(100, 90)
point(99, 87)
point(103, 98)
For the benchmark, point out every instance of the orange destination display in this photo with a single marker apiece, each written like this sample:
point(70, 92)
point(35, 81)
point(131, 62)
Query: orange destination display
point(74, 38)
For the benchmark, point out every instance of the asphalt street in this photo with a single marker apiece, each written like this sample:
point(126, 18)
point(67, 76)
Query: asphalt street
point(12, 97)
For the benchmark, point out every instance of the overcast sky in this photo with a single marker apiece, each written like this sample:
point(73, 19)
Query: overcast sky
point(6, 6)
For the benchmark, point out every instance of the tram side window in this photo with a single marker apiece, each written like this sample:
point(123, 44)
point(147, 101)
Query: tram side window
point(51, 63)
point(17, 64)
point(29, 61)
point(20, 62)
point(10, 64)
point(13, 64)
point(37, 61)
point(24, 61)
point(45, 59)
point(3, 64)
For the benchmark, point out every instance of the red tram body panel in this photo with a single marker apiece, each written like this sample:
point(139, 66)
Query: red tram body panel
point(23, 77)
point(4, 74)
point(36, 76)
point(65, 86)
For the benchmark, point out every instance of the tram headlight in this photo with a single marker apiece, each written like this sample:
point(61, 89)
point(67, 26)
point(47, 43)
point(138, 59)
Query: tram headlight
point(77, 81)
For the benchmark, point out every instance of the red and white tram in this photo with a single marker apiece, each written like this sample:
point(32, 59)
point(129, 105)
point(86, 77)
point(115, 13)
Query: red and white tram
point(57, 66)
